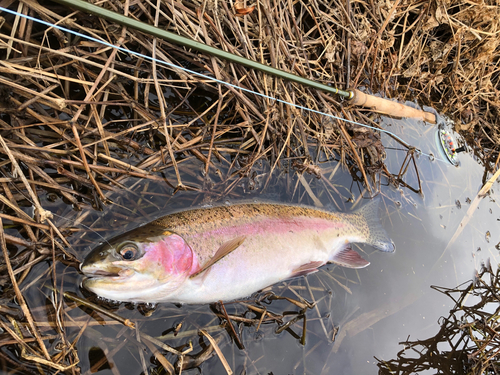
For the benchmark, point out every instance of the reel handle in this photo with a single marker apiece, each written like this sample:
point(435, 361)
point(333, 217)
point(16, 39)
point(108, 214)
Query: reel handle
point(389, 107)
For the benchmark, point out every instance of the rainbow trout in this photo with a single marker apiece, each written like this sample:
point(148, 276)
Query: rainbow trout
point(228, 252)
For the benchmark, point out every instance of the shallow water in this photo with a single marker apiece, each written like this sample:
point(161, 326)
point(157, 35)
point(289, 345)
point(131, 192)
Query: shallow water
point(373, 309)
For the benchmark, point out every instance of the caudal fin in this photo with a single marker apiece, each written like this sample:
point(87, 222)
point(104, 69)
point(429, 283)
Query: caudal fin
point(378, 237)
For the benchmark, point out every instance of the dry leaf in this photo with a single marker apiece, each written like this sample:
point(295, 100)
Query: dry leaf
point(358, 49)
point(441, 16)
point(243, 11)
point(431, 23)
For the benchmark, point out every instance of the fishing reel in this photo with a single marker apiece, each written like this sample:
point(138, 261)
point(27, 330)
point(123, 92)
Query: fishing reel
point(447, 145)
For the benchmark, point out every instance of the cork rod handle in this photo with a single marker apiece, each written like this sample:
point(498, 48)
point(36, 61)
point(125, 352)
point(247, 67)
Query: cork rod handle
point(389, 107)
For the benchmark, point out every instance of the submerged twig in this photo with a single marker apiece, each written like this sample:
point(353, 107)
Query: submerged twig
point(99, 309)
point(218, 351)
point(468, 216)
point(20, 297)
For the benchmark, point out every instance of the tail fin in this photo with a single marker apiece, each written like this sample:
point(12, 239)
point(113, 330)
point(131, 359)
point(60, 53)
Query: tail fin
point(378, 237)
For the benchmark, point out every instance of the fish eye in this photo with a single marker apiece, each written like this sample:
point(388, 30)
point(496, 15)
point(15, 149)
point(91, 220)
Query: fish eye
point(129, 251)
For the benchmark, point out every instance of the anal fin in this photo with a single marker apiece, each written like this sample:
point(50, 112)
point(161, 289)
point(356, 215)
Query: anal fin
point(347, 257)
point(306, 269)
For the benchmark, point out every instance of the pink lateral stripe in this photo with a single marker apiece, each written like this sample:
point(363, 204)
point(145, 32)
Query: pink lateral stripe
point(275, 226)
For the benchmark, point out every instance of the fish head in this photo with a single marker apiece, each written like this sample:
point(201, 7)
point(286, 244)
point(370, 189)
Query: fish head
point(138, 267)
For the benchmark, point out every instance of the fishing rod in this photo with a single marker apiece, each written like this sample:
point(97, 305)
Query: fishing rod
point(443, 143)
point(354, 96)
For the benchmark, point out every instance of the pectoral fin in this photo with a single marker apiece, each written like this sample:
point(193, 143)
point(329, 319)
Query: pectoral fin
point(224, 249)
point(349, 258)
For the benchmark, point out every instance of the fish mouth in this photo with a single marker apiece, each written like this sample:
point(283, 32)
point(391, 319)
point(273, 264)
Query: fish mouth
point(102, 281)
point(101, 273)
point(93, 272)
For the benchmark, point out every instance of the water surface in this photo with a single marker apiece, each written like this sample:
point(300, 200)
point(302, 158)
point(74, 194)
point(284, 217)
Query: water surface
point(360, 314)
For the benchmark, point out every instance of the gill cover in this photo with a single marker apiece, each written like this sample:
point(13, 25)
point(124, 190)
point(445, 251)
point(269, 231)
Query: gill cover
point(138, 266)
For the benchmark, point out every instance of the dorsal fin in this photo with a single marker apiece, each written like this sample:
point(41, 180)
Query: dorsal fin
point(224, 249)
